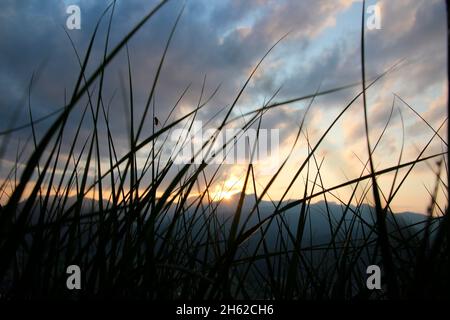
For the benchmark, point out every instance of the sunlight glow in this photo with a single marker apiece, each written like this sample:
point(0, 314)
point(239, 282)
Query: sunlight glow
point(225, 190)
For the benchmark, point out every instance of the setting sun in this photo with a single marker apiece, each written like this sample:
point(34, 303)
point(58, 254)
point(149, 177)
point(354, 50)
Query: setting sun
point(221, 195)
point(225, 190)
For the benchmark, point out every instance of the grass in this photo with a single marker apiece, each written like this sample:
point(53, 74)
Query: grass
point(143, 240)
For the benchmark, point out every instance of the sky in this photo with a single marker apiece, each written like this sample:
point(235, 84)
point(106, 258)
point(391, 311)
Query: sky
point(218, 43)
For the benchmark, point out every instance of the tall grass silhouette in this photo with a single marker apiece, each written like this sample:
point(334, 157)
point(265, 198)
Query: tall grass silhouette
point(155, 231)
